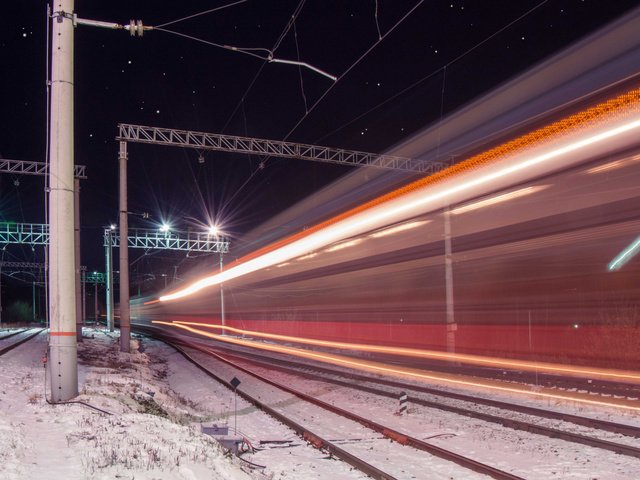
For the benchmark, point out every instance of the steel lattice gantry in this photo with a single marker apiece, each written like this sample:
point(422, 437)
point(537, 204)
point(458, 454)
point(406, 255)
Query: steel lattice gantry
point(174, 240)
point(24, 233)
point(274, 148)
point(23, 167)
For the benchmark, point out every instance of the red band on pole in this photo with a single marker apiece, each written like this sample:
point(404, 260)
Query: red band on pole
point(62, 334)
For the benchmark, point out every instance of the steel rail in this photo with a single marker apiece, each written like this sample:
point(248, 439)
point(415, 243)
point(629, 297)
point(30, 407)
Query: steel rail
point(605, 425)
point(506, 422)
point(317, 441)
point(306, 434)
point(8, 348)
point(4, 337)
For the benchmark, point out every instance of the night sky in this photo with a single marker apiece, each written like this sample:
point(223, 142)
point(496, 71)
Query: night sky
point(166, 80)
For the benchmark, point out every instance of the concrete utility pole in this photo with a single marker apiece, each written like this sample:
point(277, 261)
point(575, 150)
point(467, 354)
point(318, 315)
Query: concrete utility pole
point(62, 307)
point(125, 323)
point(76, 184)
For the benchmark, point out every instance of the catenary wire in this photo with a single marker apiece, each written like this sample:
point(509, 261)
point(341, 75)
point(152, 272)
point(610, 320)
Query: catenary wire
point(247, 51)
point(211, 10)
point(294, 15)
point(353, 65)
point(432, 74)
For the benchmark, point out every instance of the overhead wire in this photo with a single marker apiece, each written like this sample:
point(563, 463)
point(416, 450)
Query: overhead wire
point(304, 97)
point(353, 65)
point(289, 24)
point(377, 23)
point(433, 73)
point(245, 50)
point(211, 10)
point(294, 16)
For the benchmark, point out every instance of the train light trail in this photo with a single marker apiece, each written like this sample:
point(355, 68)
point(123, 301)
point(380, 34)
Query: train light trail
point(399, 228)
point(613, 165)
point(499, 199)
point(340, 246)
point(417, 199)
point(586, 372)
point(384, 369)
point(625, 255)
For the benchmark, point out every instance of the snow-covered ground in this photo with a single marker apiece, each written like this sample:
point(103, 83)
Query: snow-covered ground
point(158, 402)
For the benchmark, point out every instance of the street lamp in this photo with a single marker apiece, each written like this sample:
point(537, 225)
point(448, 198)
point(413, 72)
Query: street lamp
point(165, 227)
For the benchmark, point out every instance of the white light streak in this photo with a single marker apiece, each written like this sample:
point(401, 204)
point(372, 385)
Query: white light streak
point(392, 212)
point(613, 165)
point(343, 245)
point(398, 228)
point(498, 199)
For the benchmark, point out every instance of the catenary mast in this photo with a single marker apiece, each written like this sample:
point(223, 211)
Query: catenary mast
point(62, 290)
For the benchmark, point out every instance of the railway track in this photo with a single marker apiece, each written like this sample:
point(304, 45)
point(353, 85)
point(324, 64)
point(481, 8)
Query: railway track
point(286, 365)
point(7, 346)
point(319, 440)
point(540, 379)
point(506, 422)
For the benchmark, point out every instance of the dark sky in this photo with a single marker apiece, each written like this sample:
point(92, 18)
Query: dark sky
point(166, 80)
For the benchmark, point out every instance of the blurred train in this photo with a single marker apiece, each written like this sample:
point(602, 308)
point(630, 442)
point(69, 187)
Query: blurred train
point(525, 247)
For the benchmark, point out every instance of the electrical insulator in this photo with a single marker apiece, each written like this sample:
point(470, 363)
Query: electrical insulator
point(136, 27)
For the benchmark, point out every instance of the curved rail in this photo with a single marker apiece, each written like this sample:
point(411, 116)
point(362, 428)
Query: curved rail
point(318, 441)
point(306, 434)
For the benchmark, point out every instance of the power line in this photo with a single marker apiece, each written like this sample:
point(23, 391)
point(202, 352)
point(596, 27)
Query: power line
point(432, 74)
point(353, 65)
point(211, 10)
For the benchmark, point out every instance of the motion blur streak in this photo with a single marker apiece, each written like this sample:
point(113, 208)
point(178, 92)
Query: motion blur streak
point(396, 371)
point(512, 162)
point(416, 353)
point(626, 255)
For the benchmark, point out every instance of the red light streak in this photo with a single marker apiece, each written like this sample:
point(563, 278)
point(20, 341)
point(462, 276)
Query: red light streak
point(434, 354)
point(376, 367)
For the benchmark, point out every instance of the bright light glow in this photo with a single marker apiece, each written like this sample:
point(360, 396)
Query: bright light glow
point(283, 265)
point(342, 245)
point(398, 228)
point(308, 256)
point(613, 165)
point(414, 374)
point(112, 226)
point(165, 227)
point(499, 198)
point(393, 211)
point(213, 230)
point(468, 359)
point(624, 256)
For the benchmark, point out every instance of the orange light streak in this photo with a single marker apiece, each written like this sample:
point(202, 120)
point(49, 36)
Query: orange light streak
point(385, 369)
point(434, 354)
point(623, 109)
